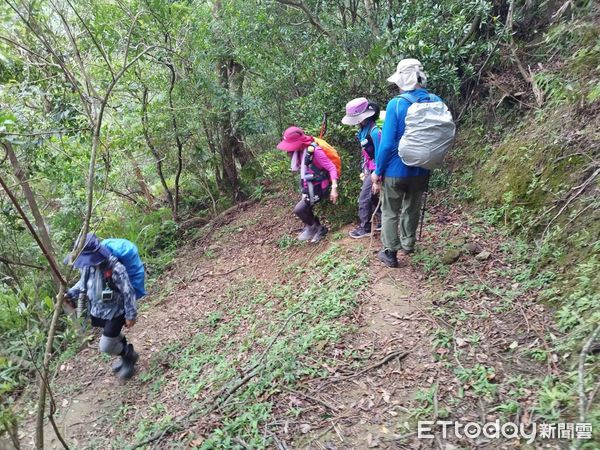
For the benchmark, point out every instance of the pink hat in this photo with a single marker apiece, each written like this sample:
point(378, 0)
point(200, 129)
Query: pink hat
point(294, 139)
point(357, 110)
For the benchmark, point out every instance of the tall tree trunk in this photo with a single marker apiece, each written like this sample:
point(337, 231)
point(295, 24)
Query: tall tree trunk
point(236, 76)
point(141, 181)
point(227, 141)
point(371, 16)
point(157, 156)
point(40, 224)
point(177, 140)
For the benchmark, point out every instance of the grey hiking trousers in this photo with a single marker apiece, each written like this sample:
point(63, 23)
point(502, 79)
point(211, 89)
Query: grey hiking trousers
point(367, 202)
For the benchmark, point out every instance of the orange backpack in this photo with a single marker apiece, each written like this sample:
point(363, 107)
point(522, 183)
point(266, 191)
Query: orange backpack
point(331, 153)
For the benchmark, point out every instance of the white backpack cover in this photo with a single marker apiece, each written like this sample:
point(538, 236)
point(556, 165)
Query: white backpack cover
point(428, 134)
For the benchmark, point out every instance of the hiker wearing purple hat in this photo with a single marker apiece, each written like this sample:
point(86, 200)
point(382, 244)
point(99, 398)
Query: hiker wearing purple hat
point(111, 301)
point(318, 179)
point(364, 114)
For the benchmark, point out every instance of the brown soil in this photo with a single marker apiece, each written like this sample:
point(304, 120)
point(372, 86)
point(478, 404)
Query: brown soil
point(351, 409)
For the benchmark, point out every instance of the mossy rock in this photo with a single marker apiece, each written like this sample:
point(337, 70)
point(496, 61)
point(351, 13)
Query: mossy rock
point(450, 256)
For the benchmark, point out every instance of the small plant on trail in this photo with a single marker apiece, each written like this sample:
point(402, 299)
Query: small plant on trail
point(287, 241)
point(442, 338)
point(479, 378)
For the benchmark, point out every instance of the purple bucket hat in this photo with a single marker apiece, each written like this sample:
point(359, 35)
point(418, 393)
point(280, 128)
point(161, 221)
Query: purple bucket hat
point(357, 110)
point(93, 253)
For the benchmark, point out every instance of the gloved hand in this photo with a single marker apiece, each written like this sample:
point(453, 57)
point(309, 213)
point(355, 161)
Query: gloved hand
point(70, 301)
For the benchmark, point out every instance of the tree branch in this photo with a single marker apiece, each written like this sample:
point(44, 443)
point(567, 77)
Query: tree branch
point(91, 91)
point(472, 30)
point(42, 230)
point(312, 19)
point(177, 141)
point(93, 38)
point(47, 254)
point(59, 60)
point(19, 263)
point(28, 50)
point(43, 133)
point(157, 157)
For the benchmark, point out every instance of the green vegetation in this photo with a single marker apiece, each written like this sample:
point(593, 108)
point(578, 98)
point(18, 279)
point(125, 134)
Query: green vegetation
point(310, 305)
point(531, 173)
point(147, 119)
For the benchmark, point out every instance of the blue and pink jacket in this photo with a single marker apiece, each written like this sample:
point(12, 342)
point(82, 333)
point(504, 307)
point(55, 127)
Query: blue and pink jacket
point(373, 130)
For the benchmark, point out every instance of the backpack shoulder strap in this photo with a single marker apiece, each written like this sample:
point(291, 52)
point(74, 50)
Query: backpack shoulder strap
point(409, 98)
point(86, 277)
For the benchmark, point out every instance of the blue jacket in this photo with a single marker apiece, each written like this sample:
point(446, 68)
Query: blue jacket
point(387, 160)
point(372, 129)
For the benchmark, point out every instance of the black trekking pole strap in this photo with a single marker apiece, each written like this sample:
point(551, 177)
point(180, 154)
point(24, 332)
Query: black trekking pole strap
point(424, 207)
point(423, 213)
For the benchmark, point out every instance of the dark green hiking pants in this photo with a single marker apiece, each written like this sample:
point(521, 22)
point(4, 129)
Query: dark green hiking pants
point(400, 207)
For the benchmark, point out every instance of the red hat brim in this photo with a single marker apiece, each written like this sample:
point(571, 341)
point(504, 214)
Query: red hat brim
point(291, 146)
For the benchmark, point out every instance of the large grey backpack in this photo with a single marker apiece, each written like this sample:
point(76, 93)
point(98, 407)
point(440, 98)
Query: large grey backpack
point(428, 134)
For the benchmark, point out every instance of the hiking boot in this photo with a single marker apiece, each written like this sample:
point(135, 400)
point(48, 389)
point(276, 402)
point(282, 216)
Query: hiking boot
point(308, 232)
point(388, 257)
point(129, 359)
point(116, 366)
point(378, 227)
point(359, 232)
point(407, 252)
point(321, 232)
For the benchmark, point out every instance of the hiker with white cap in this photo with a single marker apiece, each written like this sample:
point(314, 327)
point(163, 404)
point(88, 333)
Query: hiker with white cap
point(364, 115)
point(404, 180)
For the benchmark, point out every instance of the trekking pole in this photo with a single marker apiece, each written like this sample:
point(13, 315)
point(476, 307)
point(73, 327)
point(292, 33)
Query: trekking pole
point(422, 218)
point(323, 126)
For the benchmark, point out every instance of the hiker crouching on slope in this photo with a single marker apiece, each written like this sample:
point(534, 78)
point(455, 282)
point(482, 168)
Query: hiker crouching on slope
point(403, 185)
point(111, 301)
point(362, 113)
point(318, 179)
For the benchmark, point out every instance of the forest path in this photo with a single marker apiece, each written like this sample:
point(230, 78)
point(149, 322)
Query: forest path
point(389, 319)
point(374, 402)
point(346, 343)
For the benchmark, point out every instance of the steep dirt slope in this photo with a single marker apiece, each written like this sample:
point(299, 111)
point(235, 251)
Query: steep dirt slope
point(356, 373)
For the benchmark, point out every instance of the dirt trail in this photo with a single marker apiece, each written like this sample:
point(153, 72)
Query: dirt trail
point(389, 319)
point(365, 401)
point(374, 406)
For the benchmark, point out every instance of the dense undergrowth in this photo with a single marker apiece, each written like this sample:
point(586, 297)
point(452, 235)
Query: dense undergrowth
point(527, 164)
